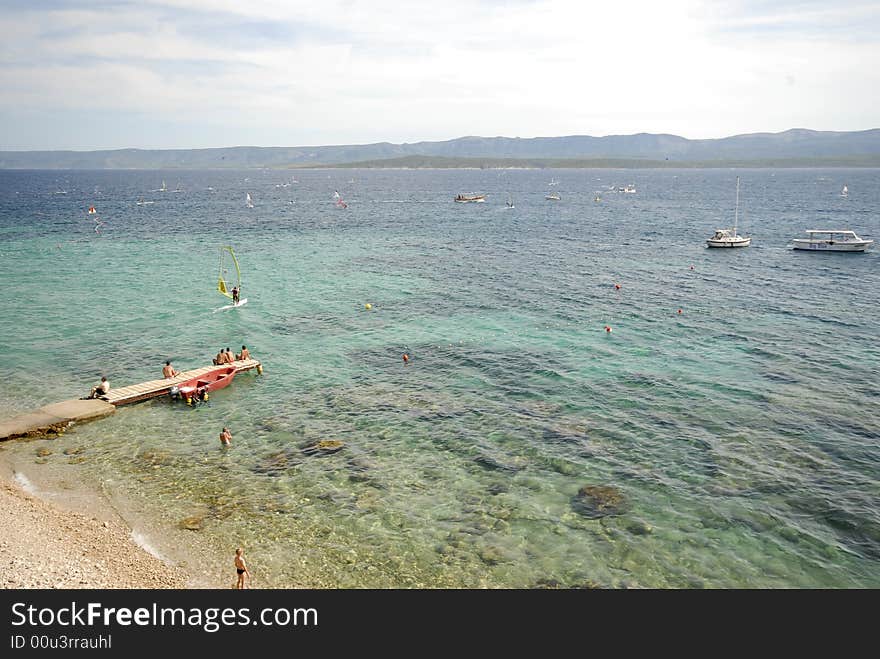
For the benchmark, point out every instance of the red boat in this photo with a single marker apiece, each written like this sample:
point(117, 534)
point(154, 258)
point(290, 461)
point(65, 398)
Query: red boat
point(198, 388)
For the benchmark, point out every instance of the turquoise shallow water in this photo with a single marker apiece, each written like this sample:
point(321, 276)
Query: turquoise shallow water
point(740, 436)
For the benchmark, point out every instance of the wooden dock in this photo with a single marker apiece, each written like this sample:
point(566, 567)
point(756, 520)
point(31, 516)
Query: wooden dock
point(56, 418)
point(138, 392)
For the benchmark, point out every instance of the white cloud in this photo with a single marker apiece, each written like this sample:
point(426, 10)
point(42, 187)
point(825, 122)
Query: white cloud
point(285, 73)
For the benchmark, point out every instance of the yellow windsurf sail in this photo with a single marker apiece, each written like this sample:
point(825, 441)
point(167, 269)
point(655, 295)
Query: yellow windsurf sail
point(227, 262)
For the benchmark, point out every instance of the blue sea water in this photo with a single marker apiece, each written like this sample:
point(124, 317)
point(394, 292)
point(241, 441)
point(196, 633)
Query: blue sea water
point(736, 442)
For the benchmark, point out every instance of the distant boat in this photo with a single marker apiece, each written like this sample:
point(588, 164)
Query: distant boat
point(464, 198)
point(92, 210)
point(249, 202)
point(178, 188)
point(340, 202)
point(729, 237)
point(143, 202)
point(510, 202)
point(164, 187)
point(554, 196)
point(844, 192)
point(832, 240)
point(553, 181)
point(598, 198)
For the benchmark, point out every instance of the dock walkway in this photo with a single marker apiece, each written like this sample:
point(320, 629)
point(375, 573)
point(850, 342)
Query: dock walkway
point(153, 388)
point(55, 418)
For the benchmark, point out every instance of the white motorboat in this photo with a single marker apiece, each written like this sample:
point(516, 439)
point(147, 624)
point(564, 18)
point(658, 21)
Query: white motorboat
point(729, 237)
point(832, 240)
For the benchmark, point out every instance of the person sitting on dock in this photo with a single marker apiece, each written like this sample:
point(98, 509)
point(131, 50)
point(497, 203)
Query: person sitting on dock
point(229, 356)
point(244, 354)
point(168, 370)
point(220, 358)
point(101, 389)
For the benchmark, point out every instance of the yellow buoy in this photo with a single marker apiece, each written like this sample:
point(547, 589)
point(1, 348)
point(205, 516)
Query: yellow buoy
point(260, 369)
point(368, 306)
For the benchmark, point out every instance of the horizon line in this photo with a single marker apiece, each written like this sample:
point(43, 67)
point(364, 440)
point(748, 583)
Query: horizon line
point(453, 139)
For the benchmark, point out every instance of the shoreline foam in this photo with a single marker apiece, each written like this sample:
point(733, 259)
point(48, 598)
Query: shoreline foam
point(49, 545)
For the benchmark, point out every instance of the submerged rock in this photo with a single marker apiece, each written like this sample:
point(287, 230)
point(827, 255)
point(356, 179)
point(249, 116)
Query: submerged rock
point(43, 452)
point(192, 523)
point(73, 451)
point(596, 501)
point(156, 458)
point(276, 463)
point(324, 447)
point(490, 462)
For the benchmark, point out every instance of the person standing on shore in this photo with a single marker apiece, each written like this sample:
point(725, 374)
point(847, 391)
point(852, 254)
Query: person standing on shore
point(241, 569)
point(225, 437)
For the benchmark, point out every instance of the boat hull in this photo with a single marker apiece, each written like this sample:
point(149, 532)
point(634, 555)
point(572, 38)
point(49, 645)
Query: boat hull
point(745, 242)
point(831, 246)
point(210, 381)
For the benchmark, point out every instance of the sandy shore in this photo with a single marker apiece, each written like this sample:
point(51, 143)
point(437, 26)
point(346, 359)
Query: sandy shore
point(47, 546)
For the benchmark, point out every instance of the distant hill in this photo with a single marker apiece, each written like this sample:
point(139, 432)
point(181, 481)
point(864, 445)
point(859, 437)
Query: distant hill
point(796, 147)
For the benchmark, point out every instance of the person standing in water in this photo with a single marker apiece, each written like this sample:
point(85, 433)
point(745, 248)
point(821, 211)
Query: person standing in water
point(225, 437)
point(241, 569)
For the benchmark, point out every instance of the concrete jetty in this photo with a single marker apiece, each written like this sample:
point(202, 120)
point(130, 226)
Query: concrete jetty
point(57, 417)
point(54, 418)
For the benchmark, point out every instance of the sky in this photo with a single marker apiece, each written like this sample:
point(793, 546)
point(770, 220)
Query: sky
point(148, 74)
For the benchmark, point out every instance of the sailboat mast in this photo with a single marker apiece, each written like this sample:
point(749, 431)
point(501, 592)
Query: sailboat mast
point(736, 210)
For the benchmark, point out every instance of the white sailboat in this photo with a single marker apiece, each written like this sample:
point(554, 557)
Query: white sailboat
point(844, 192)
point(249, 202)
point(164, 187)
point(729, 237)
point(510, 202)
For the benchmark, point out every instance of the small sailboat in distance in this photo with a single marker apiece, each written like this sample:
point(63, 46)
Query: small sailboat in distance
point(510, 201)
point(729, 237)
point(164, 187)
point(845, 191)
point(249, 202)
point(340, 202)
